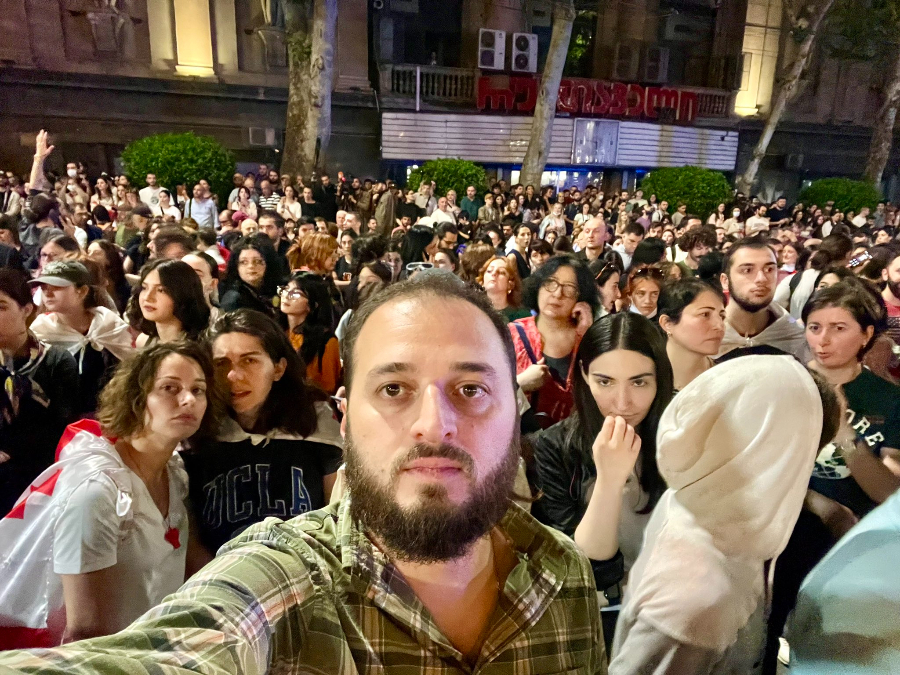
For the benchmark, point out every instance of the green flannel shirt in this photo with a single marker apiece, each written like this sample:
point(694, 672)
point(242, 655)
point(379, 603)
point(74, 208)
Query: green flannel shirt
point(313, 595)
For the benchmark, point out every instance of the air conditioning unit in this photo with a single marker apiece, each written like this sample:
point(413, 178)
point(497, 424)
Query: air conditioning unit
point(491, 49)
point(264, 137)
point(524, 52)
point(626, 60)
point(656, 64)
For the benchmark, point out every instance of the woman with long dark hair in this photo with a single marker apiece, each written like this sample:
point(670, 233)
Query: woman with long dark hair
point(419, 245)
point(306, 304)
point(168, 304)
point(597, 468)
point(280, 436)
point(105, 254)
point(253, 275)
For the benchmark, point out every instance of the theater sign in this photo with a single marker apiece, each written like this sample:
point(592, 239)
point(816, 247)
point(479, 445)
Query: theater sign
point(592, 98)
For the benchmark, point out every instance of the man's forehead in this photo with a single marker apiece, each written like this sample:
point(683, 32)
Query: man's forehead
point(439, 324)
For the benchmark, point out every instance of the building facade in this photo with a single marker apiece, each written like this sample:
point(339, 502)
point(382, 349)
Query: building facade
point(650, 83)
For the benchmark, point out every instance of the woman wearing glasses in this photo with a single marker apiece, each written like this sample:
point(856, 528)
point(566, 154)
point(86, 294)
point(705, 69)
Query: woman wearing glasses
point(642, 291)
point(563, 296)
point(306, 304)
point(254, 272)
point(419, 245)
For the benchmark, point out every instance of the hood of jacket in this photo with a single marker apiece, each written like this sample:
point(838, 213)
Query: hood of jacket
point(785, 333)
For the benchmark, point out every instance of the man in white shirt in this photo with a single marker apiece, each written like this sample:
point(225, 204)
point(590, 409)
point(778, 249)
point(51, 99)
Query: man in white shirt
point(661, 211)
point(758, 222)
point(150, 194)
point(443, 214)
point(425, 198)
point(10, 201)
point(860, 220)
point(201, 208)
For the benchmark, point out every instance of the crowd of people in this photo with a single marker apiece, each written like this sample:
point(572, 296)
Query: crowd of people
point(696, 410)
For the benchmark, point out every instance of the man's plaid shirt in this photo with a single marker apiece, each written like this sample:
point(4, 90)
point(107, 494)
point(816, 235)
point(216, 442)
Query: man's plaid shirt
point(313, 595)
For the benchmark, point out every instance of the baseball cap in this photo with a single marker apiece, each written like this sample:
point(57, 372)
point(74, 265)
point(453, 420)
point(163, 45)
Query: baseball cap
point(142, 210)
point(62, 273)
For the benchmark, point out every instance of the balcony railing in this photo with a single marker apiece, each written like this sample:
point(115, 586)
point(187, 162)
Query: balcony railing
point(438, 84)
point(712, 102)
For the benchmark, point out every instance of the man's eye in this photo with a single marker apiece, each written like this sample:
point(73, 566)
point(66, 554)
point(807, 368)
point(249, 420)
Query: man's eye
point(472, 390)
point(392, 390)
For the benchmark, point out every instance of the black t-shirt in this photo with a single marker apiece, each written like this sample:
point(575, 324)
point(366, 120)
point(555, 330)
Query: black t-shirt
point(29, 440)
point(234, 485)
point(412, 210)
point(342, 267)
point(97, 369)
point(559, 367)
point(873, 405)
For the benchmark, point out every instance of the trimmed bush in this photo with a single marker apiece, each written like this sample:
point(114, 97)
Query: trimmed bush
point(180, 159)
point(701, 189)
point(846, 194)
point(450, 174)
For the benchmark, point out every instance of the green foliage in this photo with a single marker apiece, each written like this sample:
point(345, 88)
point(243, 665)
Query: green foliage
point(846, 194)
point(581, 45)
point(701, 189)
point(450, 174)
point(180, 159)
point(863, 30)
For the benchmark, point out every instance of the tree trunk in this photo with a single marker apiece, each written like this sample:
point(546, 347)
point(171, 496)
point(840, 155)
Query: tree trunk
point(310, 27)
point(883, 130)
point(787, 90)
point(545, 109)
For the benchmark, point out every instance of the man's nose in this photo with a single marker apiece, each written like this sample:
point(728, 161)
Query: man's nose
point(436, 421)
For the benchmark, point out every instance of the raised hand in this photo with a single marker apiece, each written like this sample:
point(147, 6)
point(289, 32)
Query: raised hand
point(41, 149)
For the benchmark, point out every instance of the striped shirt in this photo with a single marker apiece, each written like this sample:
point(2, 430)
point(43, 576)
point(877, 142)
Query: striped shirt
point(269, 203)
point(313, 595)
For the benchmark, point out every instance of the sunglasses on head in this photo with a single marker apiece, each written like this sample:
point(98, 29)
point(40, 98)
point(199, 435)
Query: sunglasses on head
point(416, 266)
point(649, 271)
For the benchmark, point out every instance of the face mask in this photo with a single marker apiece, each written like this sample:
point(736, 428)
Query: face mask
point(72, 173)
point(735, 213)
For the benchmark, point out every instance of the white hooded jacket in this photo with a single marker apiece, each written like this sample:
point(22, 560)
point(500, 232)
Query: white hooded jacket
point(736, 447)
point(785, 333)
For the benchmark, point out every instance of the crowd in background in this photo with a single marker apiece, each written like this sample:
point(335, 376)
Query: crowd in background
point(113, 287)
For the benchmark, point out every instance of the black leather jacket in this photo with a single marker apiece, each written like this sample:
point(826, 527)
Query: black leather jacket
point(562, 470)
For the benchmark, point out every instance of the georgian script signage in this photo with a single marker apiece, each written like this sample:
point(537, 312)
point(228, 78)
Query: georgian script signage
point(590, 98)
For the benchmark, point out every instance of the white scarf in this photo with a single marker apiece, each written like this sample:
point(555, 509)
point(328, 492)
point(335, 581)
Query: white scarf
point(107, 331)
point(736, 448)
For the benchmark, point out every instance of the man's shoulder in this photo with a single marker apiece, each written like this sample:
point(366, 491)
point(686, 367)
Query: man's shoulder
point(314, 533)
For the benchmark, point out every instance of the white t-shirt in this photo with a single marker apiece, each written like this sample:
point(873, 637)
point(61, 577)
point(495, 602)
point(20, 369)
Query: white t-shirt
point(170, 211)
point(88, 512)
point(150, 195)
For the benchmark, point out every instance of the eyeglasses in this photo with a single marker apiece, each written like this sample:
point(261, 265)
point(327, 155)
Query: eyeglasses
point(568, 290)
point(252, 262)
point(290, 293)
point(416, 266)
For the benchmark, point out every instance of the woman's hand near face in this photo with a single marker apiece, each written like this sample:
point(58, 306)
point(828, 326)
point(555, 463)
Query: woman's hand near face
point(615, 451)
point(582, 317)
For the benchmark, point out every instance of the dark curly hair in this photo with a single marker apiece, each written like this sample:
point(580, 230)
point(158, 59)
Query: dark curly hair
point(123, 401)
point(587, 289)
point(274, 269)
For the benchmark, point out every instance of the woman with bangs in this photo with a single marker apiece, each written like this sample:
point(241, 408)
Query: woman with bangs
point(168, 304)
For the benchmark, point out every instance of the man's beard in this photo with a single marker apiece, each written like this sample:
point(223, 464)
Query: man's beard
point(894, 287)
point(435, 529)
point(748, 305)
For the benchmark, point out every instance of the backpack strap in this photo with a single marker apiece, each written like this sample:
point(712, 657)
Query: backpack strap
point(794, 282)
point(523, 336)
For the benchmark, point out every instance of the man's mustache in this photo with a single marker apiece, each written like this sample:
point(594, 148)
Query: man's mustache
point(443, 450)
